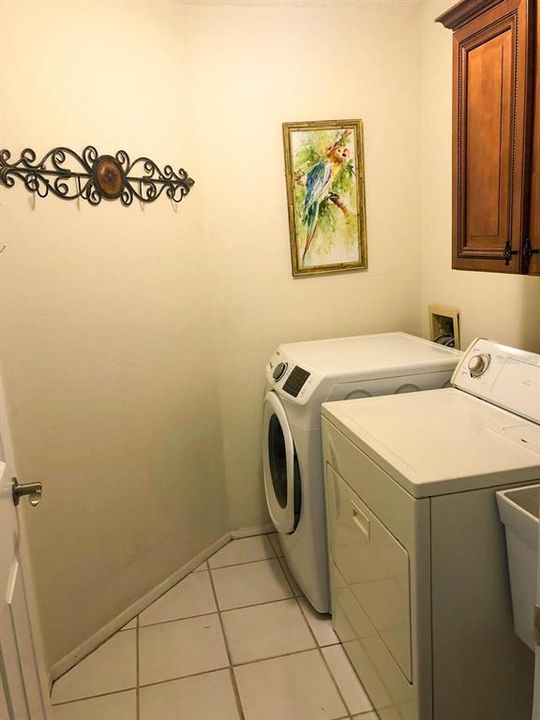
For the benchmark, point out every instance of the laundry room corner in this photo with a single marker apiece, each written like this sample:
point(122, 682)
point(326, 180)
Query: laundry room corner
point(107, 337)
point(257, 303)
point(497, 305)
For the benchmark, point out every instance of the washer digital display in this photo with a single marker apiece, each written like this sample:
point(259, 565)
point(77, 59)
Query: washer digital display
point(296, 381)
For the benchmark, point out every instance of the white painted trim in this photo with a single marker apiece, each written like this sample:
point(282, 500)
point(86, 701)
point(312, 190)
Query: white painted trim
point(105, 632)
point(250, 531)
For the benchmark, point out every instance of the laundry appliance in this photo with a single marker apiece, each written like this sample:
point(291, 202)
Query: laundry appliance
point(420, 589)
point(300, 376)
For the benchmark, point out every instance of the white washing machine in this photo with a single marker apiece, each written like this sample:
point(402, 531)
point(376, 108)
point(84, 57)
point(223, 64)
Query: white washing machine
point(420, 589)
point(301, 376)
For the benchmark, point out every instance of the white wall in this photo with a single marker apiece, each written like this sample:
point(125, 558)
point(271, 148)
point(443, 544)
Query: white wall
point(107, 341)
point(502, 307)
point(257, 66)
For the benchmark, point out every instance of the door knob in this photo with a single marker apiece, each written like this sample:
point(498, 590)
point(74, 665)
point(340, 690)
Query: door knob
point(33, 490)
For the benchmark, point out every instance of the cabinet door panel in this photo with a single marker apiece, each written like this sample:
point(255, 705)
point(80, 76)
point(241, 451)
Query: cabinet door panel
point(490, 110)
point(487, 156)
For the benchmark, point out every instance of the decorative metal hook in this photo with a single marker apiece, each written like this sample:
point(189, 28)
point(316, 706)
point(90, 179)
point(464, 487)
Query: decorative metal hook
point(91, 176)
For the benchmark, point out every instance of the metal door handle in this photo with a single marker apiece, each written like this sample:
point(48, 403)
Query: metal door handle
point(33, 490)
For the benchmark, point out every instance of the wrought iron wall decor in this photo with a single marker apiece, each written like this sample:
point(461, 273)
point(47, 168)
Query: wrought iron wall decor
point(91, 176)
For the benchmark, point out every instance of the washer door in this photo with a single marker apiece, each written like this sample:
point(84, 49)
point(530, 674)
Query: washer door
point(280, 467)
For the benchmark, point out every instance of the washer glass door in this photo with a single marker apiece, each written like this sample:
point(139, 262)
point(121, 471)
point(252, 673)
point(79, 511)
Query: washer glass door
point(278, 464)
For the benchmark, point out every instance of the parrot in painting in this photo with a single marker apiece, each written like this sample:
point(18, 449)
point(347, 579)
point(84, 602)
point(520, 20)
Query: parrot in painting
point(319, 182)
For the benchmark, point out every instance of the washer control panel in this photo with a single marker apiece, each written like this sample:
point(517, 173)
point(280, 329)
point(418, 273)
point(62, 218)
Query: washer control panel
point(501, 375)
point(293, 382)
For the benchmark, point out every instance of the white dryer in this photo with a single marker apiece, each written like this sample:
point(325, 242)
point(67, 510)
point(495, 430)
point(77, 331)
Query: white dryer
point(300, 376)
point(420, 588)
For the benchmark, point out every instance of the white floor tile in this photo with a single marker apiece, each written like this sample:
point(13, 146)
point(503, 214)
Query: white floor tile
point(202, 566)
point(295, 687)
point(347, 679)
point(109, 668)
point(257, 582)
point(264, 631)
point(119, 706)
point(180, 648)
point(366, 716)
point(191, 596)
point(274, 541)
point(242, 551)
point(320, 624)
point(290, 579)
point(203, 697)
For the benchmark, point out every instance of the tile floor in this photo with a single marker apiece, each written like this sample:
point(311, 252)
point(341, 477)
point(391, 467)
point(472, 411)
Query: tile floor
point(234, 640)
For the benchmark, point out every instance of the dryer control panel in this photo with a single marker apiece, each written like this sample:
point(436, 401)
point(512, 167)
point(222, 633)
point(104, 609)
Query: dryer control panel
point(502, 375)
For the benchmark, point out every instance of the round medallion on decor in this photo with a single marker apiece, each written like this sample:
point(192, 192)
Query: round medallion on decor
point(108, 176)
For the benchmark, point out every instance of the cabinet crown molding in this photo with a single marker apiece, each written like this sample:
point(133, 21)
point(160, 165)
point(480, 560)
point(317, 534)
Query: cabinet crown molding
point(464, 11)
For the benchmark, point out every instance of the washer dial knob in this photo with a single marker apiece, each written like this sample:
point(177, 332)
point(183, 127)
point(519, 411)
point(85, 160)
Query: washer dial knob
point(478, 365)
point(279, 371)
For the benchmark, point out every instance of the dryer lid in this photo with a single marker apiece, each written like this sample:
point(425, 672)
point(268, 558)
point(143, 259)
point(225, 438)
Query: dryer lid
point(440, 441)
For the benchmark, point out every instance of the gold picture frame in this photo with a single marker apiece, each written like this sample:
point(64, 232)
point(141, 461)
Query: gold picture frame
point(444, 325)
point(324, 168)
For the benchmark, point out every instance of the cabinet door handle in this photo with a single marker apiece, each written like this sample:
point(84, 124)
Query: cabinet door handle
point(529, 251)
point(508, 252)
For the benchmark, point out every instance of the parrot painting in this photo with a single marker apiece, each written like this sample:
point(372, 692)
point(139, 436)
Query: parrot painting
point(319, 183)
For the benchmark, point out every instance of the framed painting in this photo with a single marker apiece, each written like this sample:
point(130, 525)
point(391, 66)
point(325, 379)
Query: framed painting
point(324, 165)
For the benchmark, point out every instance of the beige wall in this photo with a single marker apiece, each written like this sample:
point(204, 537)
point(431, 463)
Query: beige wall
point(106, 319)
point(256, 67)
point(493, 305)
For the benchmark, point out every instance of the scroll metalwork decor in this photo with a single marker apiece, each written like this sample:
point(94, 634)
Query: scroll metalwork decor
point(91, 176)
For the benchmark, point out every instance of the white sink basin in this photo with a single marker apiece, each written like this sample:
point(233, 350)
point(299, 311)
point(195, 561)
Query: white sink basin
point(518, 510)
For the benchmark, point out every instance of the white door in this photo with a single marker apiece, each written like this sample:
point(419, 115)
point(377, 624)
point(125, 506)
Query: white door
point(23, 694)
point(536, 706)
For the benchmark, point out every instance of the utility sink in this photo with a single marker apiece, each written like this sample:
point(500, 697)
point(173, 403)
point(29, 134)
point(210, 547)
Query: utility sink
point(519, 511)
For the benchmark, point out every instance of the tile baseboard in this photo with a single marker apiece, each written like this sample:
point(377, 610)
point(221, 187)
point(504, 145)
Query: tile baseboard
point(250, 531)
point(117, 623)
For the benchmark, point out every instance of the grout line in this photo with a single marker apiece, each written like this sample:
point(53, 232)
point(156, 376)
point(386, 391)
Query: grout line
point(345, 703)
point(246, 562)
point(319, 648)
point(276, 657)
point(227, 649)
point(252, 605)
point(266, 602)
point(178, 619)
point(90, 697)
point(191, 675)
point(185, 677)
point(137, 696)
point(216, 611)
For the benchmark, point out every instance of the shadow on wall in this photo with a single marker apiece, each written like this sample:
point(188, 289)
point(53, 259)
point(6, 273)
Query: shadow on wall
point(528, 314)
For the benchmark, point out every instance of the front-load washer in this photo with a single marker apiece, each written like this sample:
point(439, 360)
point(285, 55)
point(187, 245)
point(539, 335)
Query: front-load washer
point(420, 590)
point(300, 376)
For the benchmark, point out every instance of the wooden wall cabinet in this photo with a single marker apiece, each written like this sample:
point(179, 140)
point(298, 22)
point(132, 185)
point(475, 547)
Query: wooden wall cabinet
point(496, 135)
